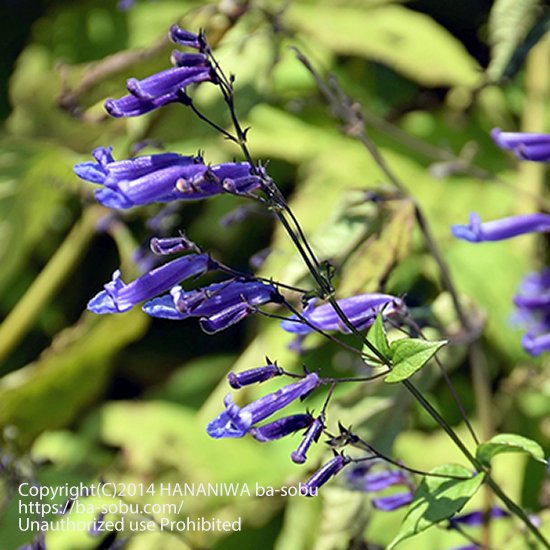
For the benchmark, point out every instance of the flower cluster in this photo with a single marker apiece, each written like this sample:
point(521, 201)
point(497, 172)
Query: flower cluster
point(171, 177)
point(533, 298)
point(219, 305)
point(167, 86)
point(235, 422)
point(164, 177)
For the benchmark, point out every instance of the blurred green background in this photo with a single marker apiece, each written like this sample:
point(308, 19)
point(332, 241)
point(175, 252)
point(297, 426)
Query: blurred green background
point(127, 398)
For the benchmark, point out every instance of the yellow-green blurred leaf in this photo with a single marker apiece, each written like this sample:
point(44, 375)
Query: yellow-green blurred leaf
point(51, 392)
point(371, 264)
point(410, 42)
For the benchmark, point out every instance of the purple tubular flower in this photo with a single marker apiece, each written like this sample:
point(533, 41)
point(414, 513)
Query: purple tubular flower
point(168, 81)
point(504, 228)
point(474, 519)
point(532, 301)
point(281, 428)
point(361, 310)
point(171, 245)
point(238, 380)
point(526, 146)
point(138, 181)
point(533, 311)
point(186, 38)
point(392, 502)
point(312, 435)
point(180, 59)
point(225, 318)
point(534, 293)
point(235, 422)
point(363, 479)
point(536, 344)
point(321, 476)
point(382, 480)
point(219, 305)
point(119, 297)
point(130, 105)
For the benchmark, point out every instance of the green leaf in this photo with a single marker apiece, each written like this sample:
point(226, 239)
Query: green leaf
point(514, 27)
point(509, 443)
point(401, 38)
point(68, 377)
point(302, 516)
point(437, 499)
point(369, 266)
point(409, 355)
point(377, 337)
point(36, 181)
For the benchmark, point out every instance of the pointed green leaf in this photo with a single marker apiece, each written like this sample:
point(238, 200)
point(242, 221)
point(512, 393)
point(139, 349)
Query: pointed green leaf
point(437, 499)
point(389, 34)
point(377, 337)
point(514, 27)
point(409, 355)
point(509, 443)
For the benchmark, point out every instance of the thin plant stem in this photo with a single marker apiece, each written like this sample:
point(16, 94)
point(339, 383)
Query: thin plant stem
point(478, 544)
point(360, 443)
point(326, 288)
point(411, 322)
point(350, 114)
point(48, 282)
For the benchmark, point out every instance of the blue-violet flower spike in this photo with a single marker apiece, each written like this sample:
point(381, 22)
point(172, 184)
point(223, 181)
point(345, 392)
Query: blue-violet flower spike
point(504, 228)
